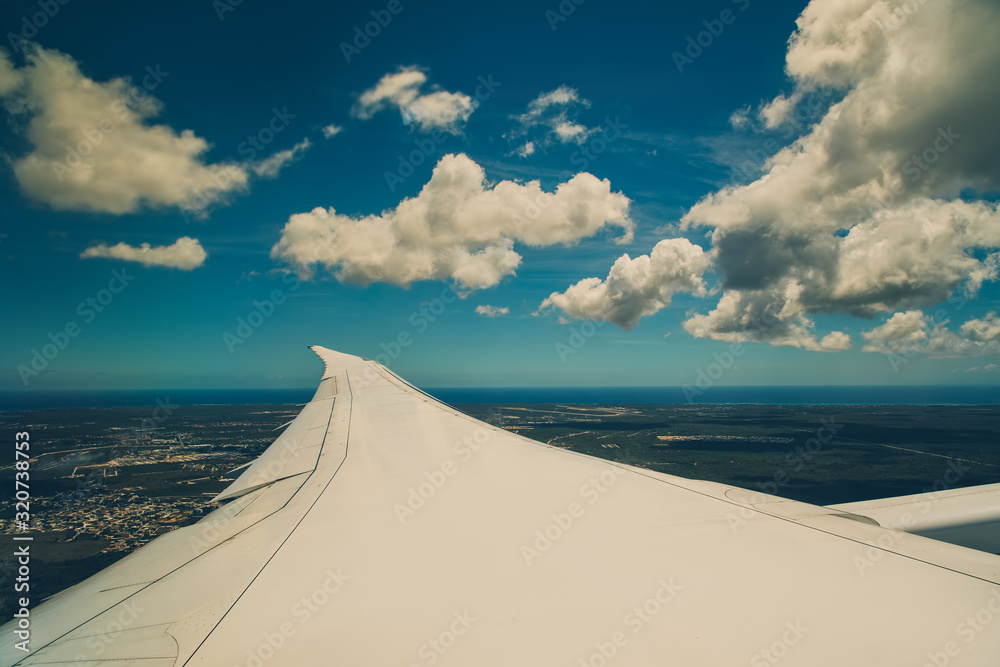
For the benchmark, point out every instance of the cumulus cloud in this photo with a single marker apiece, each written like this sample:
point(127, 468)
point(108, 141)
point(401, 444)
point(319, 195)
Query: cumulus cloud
point(270, 166)
point(550, 118)
point(765, 316)
point(185, 254)
point(397, 89)
point(458, 227)
point(636, 287)
point(863, 214)
point(437, 110)
point(492, 311)
point(775, 112)
point(92, 146)
point(332, 130)
point(442, 110)
point(525, 149)
point(882, 203)
point(572, 132)
point(912, 331)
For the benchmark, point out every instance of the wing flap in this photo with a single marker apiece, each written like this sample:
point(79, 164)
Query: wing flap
point(115, 645)
point(293, 453)
point(968, 517)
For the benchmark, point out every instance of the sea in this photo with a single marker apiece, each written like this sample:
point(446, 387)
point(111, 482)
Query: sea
point(767, 395)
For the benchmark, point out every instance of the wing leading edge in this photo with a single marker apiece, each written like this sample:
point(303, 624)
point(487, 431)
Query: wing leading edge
point(383, 527)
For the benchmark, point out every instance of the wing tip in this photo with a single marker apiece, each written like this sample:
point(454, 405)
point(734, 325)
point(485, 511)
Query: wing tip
point(336, 362)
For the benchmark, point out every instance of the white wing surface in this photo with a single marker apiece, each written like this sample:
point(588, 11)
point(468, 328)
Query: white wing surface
point(385, 528)
point(969, 517)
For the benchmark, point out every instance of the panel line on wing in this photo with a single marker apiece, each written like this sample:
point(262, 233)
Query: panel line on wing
point(290, 532)
point(62, 638)
point(406, 386)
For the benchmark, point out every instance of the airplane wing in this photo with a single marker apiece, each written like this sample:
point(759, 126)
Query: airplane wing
point(969, 517)
point(383, 527)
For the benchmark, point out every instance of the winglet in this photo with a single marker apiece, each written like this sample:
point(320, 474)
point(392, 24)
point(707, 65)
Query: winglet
point(336, 362)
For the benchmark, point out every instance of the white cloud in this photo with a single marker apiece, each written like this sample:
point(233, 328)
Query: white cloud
point(10, 78)
point(636, 287)
point(397, 89)
point(270, 166)
point(554, 112)
point(332, 130)
point(92, 147)
point(492, 311)
point(740, 118)
point(775, 112)
point(572, 132)
point(436, 110)
point(776, 316)
point(912, 332)
point(560, 98)
point(457, 227)
point(874, 208)
point(440, 110)
point(185, 254)
point(902, 332)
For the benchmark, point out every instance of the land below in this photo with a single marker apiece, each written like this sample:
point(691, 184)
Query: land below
point(105, 481)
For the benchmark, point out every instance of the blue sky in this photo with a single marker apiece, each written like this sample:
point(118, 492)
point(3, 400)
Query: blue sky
point(458, 192)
